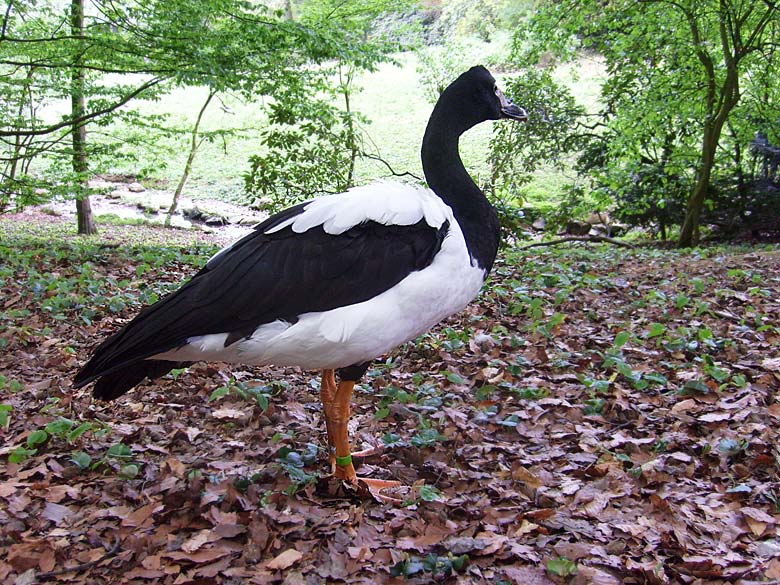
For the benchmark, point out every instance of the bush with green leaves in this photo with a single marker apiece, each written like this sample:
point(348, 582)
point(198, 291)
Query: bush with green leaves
point(551, 135)
point(306, 153)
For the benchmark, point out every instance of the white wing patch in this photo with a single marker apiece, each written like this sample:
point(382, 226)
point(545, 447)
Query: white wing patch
point(385, 203)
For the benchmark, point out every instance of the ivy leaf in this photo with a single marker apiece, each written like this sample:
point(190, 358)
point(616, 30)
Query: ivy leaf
point(621, 339)
point(562, 567)
point(454, 377)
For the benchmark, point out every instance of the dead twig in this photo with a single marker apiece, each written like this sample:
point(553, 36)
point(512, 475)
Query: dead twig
point(587, 239)
point(83, 566)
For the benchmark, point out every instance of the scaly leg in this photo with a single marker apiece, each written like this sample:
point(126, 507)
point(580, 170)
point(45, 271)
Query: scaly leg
point(327, 396)
point(336, 421)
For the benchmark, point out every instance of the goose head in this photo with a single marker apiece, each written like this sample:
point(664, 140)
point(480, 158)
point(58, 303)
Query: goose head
point(475, 97)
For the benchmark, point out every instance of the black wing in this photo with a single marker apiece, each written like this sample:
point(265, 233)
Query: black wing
point(261, 278)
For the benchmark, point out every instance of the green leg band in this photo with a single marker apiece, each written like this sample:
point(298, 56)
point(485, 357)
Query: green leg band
point(343, 461)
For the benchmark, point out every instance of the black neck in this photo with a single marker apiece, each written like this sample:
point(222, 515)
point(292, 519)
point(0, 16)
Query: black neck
point(446, 175)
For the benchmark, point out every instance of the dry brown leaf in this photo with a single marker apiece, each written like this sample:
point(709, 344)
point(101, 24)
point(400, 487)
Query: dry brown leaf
point(715, 417)
point(519, 473)
point(152, 562)
point(773, 569)
point(8, 488)
point(771, 364)
point(200, 556)
point(177, 467)
point(198, 540)
point(142, 516)
point(57, 513)
point(527, 575)
point(757, 515)
point(756, 527)
point(360, 553)
point(143, 573)
point(232, 413)
point(284, 560)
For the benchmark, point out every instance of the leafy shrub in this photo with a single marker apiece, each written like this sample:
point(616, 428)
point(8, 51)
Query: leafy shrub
point(309, 150)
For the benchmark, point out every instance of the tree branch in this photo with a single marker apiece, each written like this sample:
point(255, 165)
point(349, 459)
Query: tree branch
point(587, 239)
point(387, 164)
point(86, 117)
point(6, 18)
point(83, 566)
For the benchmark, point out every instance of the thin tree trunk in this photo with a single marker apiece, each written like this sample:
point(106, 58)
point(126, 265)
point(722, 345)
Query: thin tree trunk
point(194, 144)
point(689, 232)
point(352, 142)
point(719, 106)
point(84, 217)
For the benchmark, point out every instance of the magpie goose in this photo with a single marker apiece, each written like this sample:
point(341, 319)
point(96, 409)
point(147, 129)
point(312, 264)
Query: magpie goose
point(332, 283)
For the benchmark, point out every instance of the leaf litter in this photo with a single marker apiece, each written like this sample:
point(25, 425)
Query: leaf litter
point(596, 416)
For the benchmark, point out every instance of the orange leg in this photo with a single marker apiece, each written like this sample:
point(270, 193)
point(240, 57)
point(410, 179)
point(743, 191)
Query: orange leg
point(327, 396)
point(336, 407)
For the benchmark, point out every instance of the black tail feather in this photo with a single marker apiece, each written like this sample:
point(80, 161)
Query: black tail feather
point(113, 385)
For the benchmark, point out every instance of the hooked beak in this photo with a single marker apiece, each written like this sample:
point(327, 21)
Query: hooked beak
point(510, 110)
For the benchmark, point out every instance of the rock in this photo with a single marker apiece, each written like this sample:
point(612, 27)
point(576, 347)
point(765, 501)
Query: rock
point(116, 194)
point(613, 230)
point(483, 342)
point(249, 220)
point(136, 188)
point(215, 220)
point(147, 208)
point(577, 228)
point(193, 213)
point(768, 548)
point(539, 224)
point(598, 218)
point(100, 184)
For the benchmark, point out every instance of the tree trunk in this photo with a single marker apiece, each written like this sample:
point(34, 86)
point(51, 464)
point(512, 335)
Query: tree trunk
point(352, 142)
point(288, 10)
point(689, 232)
point(194, 143)
point(84, 218)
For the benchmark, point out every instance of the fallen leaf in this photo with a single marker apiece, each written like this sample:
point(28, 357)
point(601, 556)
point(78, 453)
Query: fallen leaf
point(715, 417)
point(284, 560)
point(192, 544)
point(771, 364)
point(757, 515)
point(232, 413)
point(57, 513)
point(141, 516)
point(201, 556)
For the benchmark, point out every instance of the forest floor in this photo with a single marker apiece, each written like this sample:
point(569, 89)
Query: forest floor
point(597, 415)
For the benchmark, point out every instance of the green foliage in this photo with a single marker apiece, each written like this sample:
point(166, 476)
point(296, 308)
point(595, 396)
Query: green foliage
point(315, 137)
point(656, 157)
point(305, 154)
point(259, 394)
point(460, 18)
point(226, 45)
point(438, 65)
point(440, 567)
point(293, 464)
point(5, 415)
point(561, 567)
point(549, 137)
